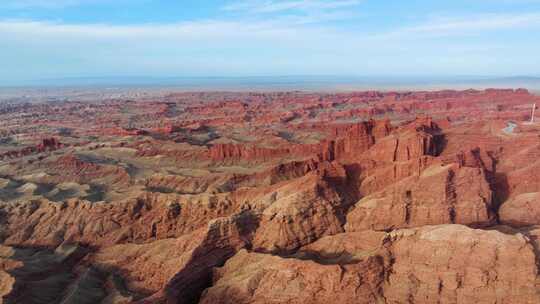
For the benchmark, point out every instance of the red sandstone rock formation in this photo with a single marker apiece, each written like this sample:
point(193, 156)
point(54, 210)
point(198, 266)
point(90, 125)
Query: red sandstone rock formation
point(69, 168)
point(259, 278)
point(398, 267)
point(470, 266)
point(175, 270)
point(46, 145)
point(300, 212)
point(346, 141)
point(149, 217)
point(272, 198)
point(521, 210)
point(440, 195)
point(49, 144)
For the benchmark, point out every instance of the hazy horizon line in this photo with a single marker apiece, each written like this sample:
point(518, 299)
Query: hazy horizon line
point(271, 80)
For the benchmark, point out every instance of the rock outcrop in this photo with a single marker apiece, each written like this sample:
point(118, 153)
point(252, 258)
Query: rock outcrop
point(148, 217)
point(176, 270)
point(46, 145)
point(455, 264)
point(432, 264)
point(440, 195)
point(343, 142)
point(260, 278)
point(34, 275)
point(299, 213)
point(521, 210)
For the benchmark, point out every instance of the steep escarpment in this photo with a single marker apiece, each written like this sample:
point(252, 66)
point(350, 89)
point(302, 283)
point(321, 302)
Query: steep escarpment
point(301, 212)
point(440, 195)
point(494, 267)
point(53, 276)
point(46, 145)
point(259, 278)
point(398, 267)
point(343, 141)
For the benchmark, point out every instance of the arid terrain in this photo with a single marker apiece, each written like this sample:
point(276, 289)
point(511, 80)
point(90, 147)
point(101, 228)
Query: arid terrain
point(364, 197)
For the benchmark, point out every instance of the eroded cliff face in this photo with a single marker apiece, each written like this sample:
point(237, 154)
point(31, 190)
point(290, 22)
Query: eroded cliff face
point(269, 200)
point(432, 264)
point(345, 141)
point(440, 195)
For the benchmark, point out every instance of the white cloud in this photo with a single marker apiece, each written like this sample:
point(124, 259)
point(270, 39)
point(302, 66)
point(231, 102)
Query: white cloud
point(230, 32)
point(34, 49)
point(200, 47)
point(199, 30)
point(473, 25)
point(273, 6)
point(482, 22)
point(46, 4)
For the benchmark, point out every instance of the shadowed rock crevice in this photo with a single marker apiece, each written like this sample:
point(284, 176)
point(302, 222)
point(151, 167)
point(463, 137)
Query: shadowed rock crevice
point(42, 275)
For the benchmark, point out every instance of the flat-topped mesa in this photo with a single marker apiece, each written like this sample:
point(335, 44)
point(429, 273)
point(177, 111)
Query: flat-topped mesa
point(122, 132)
point(373, 127)
point(507, 91)
point(347, 140)
point(72, 162)
point(49, 144)
point(407, 151)
point(420, 137)
point(69, 168)
point(355, 140)
point(46, 144)
point(445, 94)
point(427, 136)
point(424, 123)
point(223, 152)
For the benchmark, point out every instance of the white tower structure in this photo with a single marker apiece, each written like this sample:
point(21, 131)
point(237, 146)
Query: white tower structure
point(532, 115)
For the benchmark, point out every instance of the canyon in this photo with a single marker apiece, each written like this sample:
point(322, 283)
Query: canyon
point(272, 197)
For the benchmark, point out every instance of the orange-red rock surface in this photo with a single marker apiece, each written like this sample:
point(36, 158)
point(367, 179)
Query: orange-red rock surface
point(365, 197)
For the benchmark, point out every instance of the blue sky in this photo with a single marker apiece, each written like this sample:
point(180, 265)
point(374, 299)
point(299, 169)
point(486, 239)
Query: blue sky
point(43, 39)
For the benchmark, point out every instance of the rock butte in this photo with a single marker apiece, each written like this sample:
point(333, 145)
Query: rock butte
point(364, 197)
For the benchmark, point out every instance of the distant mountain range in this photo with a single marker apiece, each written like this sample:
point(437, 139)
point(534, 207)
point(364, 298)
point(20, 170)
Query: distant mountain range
point(310, 83)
